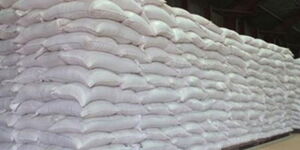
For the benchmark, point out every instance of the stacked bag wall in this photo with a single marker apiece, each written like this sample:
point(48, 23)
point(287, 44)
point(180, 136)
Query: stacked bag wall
point(135, 75)
point(293, 94)
point(9, 30)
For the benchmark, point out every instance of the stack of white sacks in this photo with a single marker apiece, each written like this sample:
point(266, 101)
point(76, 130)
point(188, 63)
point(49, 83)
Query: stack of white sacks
point(134, 75)
point(8, 70)
point(267, 74)
point(294, 91)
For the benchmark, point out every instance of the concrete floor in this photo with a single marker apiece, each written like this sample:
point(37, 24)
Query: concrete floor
point(291, 142)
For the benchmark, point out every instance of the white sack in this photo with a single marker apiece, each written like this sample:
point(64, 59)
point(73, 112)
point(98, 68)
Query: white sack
point(185, 142)
point(7, 90)
point(106, 124)
point(8, 16)
point(178, 62)
point(8, 31)
point(138, 23)
point(26, 75)
point(6, 135)
point(157, 13)
point(162, 29)
point(90, 78)
point(9, 73)
point(99, 9)
point(193, 128)
point(99, 109)
point(37, 31)
point(8, 119)
point(158, 81)
point(102, 27)
point(153, 2)
point(199, 105)
point(128, 137)
point(176, 131)
point(41, 59)
point(158, 95)
point(92, 59)
point(31, 46)
point(133, 52)
point(161, 42)
point(36, 122)
point(81, 40)
point(177, 108)
point(157, 121)
point(10, 60)
point(60, 107)
point(213, 75)
point(131, 109)
point(7, 3)
point(157, 55)
point(158, 68)
point(191, 93)
point(28, 107)
point(182, 37)
point(135, 83)
point(35, 4)
point(158, 145)
point(4, 103)
point(8, 47)
point(157, 109)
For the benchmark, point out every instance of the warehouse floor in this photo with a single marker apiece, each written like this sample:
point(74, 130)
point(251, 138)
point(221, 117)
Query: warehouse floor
point(291, 142)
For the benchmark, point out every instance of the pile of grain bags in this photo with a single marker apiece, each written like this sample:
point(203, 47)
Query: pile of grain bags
point(135, 74)
point(293, 83)
point(267, 74)
point(80, 75)
point(8, 70)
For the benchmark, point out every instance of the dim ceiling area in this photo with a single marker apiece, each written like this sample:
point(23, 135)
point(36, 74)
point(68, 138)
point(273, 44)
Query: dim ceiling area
point(275, 21)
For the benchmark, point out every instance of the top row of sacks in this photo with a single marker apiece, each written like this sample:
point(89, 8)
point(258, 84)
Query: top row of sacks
point(125, 11)
point(148, 17)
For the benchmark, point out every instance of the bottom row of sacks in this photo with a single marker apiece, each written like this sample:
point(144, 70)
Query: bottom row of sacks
point(191, 131)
